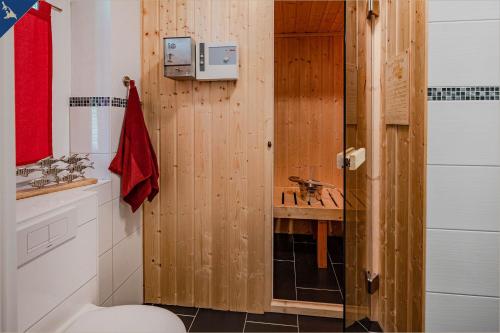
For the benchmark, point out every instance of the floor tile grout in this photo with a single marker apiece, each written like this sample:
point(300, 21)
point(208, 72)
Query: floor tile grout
point(194, 318)
point(336, 278)
point(245, 322)
point(266, 323)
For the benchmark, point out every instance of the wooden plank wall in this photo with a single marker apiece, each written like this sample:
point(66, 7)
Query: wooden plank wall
point(402, 199)
point(309, 89)
point(207, 235)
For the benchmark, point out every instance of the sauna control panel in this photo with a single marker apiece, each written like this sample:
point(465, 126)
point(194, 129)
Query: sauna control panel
point(217, 61)
point(179, 58)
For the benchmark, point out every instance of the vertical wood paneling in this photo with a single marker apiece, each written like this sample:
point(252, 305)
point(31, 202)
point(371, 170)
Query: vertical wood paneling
point(403, 162)
point(150, 94)
point(204, 240)
point(309, 108)
point(203, 170)
point(238, 162)
point(168, 162)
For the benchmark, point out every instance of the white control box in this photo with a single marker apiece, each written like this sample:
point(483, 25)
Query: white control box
point(217, 61)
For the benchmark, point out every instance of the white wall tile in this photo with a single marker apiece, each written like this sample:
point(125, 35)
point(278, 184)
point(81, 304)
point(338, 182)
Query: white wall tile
point(61, 80)
point(130, 292)
point(448, 10)
point(101, 165)
point(116, 121)
point(124, 221)
point(459, 313)
point(103, 190)
point(90, 129)
point(464, 133)
point(462, 262)
point(115, 186)
point(105, 222)
point(127, 257)
point(465, 198)
point(108, 302)
point(126, 41)
point(465, 53)
point(91, 40)
point(105, 276)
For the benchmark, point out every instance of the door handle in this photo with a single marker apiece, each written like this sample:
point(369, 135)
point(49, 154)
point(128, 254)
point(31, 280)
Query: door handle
point(352, 160)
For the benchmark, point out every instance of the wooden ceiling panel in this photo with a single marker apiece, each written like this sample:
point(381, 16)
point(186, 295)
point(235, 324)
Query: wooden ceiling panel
point(309, 16)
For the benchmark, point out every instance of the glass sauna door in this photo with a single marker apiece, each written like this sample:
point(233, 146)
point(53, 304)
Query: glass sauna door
point(356, 135)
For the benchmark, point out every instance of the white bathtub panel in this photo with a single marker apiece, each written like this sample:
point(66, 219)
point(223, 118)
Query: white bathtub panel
point(463, 197)
point(464, 133)
point(460, 313)
point(462, 262)
point(464, 53)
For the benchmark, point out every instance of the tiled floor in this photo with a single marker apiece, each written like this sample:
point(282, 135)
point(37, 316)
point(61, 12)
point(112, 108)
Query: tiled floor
point(296, 274)
point(204, 320)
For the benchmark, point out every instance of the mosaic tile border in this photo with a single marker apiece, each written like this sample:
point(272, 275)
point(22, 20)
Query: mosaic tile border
point(119, 102)
point(470, 93)
point(97, 101)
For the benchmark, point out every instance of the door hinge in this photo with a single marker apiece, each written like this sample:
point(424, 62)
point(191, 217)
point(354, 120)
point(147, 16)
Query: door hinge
point(372, 282)
point(373, 8)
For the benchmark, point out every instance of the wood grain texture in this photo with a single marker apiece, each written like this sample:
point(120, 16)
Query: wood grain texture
point(403, 178)
point(33, 192)
point(204, 239)
point(309, 16)
point(308, 108)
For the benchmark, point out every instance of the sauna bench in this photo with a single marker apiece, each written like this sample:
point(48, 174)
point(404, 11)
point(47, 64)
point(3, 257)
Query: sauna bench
point(287, 204)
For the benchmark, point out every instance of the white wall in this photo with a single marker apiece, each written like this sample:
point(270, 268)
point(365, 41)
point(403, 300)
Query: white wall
point(61, 80)
point(8, 255)
point(106, 46)
point(463, 189)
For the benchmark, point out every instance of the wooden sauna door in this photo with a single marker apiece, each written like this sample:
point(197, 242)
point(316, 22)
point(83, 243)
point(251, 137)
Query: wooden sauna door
point(356, 135)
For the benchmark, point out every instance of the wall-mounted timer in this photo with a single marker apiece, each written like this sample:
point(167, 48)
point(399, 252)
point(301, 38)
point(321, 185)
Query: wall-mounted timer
point(179, 61)
point(217, 61)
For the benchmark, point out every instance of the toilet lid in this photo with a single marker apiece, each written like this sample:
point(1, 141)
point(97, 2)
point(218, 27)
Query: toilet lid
point(127, 319)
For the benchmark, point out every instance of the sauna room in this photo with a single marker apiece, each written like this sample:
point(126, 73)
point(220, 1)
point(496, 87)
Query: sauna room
point(308, 130)
point(249, 166)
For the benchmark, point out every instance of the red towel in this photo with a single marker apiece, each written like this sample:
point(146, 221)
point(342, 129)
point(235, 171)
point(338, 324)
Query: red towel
point(33, 71)
point(135, 160)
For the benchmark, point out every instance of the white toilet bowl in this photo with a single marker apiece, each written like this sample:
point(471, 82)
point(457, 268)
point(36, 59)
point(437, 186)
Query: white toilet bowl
point(125, 319)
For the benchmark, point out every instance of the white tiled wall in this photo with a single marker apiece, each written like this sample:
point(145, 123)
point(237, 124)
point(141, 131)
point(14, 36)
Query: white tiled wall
point(463, 190)
point(120, 255)
point(105, 47)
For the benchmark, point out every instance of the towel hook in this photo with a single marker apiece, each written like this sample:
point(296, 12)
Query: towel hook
point(126, 81)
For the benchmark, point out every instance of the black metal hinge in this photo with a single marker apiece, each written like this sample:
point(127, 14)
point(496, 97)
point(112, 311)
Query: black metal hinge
point(372, 282)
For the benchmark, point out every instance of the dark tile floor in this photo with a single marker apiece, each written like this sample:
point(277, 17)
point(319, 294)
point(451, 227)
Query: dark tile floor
point(204, 320)
point(296, 274)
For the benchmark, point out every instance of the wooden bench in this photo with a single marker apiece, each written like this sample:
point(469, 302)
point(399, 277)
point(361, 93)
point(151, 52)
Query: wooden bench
point(288, 204)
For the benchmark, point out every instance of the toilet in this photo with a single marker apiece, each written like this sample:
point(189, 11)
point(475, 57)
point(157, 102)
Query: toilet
point(125, 319)
point(58, 282)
